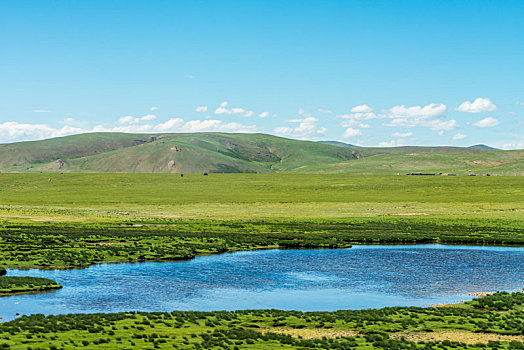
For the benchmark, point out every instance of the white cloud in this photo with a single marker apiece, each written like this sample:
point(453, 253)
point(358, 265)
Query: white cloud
point(263, 114)
point(303, 113)
point(402, 134)
point(418, 112)
point(216, 125)
point(223, 109)
point(401, 116)
point(365, 112)
point(513, 145)
point(435, 124)
point(353, 120)
point(459, 136)
point(306, 120)
point(520, 103)
point(355, 124)
point(488, 122)
point(69, 120)
point(324, 111)
point(479, 105)
point(420, 116)
point(237, 110)
point(178, 125)
point(153, 108)
point(350, 132)
point(40, 111)
point(441, 133)
point(171, 125)
point(14, 131)
point(148, 117)
point(361, 116)
point(307, 127)
point(391, 143)
point(201, 109)
point(362, 109)
point(128, 119)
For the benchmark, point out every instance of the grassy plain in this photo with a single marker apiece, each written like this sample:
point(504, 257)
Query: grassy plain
point(466, 327)
point(70, 197)
point(65, 220)
point(74, 220)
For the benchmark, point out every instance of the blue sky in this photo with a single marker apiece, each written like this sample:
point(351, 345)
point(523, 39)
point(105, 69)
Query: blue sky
point(364, 72)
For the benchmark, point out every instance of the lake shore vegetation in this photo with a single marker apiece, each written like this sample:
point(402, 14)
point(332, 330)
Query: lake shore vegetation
point(24, 285)
point(478, 325)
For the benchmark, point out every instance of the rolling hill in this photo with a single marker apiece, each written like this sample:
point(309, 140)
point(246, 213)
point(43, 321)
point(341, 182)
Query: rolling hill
point(243, 153)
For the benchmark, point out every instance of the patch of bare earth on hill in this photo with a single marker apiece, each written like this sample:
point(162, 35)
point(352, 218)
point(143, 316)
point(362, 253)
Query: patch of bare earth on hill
point(311, 333)
point(458, 336)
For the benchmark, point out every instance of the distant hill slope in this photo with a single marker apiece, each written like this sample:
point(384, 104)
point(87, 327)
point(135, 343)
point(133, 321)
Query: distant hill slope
point(242, 153)
point(484, 147)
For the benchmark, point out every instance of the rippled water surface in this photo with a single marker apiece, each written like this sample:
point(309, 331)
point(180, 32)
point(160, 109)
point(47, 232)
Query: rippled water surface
point(364, 276)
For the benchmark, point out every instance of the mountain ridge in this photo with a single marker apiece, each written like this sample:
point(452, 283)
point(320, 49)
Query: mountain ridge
point(243, 153)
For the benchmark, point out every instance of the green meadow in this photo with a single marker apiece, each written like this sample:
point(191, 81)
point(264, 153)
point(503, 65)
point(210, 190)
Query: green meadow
point(75, 220)
point(249, 196)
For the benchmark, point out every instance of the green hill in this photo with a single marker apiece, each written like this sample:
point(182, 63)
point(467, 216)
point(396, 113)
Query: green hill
point(484, 147)
point(243, 153)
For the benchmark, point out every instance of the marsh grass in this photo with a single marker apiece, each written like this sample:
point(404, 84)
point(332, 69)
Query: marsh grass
point(387, 328)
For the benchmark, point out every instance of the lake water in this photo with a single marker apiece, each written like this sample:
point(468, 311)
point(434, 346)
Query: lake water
point(365, 276)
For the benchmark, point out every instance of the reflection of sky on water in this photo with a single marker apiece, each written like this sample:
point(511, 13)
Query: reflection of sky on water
point(360, 277)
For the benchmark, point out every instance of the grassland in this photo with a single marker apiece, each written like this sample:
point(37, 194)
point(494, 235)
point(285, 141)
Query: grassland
point(74, 220)
point(388, 328)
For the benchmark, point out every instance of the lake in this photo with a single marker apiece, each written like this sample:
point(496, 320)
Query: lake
point(364, 276)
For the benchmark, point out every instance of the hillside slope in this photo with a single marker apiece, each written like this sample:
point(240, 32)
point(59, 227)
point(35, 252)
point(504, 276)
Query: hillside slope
point(509, 163)
point(243, 153)
point(197, 152)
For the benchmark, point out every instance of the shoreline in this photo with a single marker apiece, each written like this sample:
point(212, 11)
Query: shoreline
point(284, 247)
point(30, 291)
